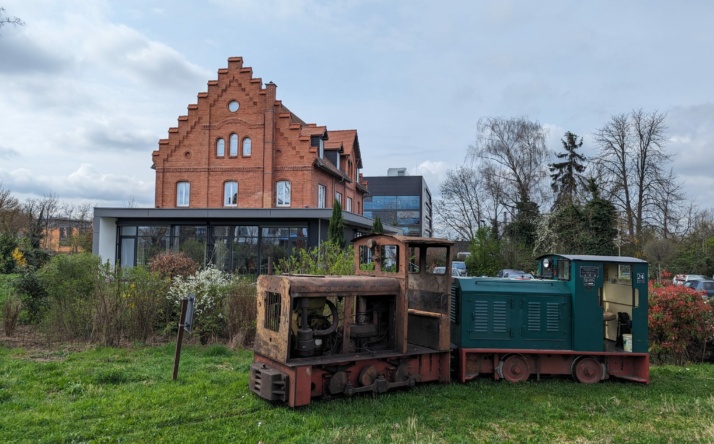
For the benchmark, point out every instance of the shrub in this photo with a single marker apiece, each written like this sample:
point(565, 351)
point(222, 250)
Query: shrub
point(8, 244)
point(326, 259)
point(147, 308)
point(210, 287)
point(31, 290)
point(169, 265)
point(11, 312)
point(240, 312)
point(70, 282)
point(680, 324)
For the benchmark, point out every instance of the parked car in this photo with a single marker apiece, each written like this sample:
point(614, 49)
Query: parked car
point(704, 285)
point(461, 266)
point(513, 274)
point(455, 272)
point(680, 279)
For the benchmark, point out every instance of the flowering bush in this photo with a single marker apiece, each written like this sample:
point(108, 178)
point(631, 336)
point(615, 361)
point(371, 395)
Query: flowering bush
point(210, 287)
point(681, 324)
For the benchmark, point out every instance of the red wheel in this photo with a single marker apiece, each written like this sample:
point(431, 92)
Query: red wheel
point(515, 368)
point(588, 370)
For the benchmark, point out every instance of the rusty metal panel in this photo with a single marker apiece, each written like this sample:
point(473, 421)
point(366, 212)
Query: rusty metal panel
point(269, 342)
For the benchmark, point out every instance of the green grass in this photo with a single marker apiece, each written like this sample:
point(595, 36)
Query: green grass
point(127, 395)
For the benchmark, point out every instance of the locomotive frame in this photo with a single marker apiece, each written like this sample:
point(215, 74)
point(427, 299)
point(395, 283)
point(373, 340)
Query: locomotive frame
point(395, 323)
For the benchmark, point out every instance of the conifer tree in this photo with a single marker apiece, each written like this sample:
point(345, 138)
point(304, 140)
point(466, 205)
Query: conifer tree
point(336, 230)
point(377, 227)
point(566, 175)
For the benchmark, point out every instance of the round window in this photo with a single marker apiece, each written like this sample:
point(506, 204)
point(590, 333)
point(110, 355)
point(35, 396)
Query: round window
point(233, 106)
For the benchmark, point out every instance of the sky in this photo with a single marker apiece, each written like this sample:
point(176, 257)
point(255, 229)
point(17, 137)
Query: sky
point(88, 87)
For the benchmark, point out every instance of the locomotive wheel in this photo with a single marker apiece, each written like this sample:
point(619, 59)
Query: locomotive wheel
point(515, 368)
point(338, 382)
point(367, 376)
point(402, 373)
point(587, 370)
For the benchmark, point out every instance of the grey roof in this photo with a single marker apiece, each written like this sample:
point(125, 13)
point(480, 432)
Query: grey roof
point(593, 258)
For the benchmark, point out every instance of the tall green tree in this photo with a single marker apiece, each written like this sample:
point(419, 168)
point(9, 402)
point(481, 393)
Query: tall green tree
point(377, 227)
point(485, 258)
point(600, 223)
point(566, 174)
point(336, 230)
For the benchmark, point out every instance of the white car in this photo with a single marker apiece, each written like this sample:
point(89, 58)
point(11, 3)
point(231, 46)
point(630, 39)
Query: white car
point(680, 279)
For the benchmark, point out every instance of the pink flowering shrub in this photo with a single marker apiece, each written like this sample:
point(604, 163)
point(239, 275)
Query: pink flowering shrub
point(681, 324)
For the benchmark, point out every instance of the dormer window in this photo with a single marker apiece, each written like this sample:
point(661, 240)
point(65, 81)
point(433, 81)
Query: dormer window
point(318, 143)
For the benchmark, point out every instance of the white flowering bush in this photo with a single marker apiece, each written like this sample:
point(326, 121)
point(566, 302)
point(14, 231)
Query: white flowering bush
point(210, 287)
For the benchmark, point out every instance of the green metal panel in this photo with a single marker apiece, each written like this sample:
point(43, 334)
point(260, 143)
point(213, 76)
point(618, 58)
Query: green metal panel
point(640, 329)
point(586, 282)
point(502, 313)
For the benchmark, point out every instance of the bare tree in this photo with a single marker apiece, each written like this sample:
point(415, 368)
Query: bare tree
point(6, 20)
point(460, 209)
point(39, 213)
point(11, 218)
point(633, 159)
point(512, 153)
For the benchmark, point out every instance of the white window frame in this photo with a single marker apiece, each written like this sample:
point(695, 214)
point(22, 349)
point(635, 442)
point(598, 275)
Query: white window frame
point(233, 145)
point(247, 147)
point(230, 194)
point(321, 193)
point(349, 205)
point(183, 194)
point(338, 197)
point(220, 147)
point(321, 148)
point(282, 193)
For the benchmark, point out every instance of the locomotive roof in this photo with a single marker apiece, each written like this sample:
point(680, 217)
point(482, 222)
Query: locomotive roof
point(594, 258)
point(408, 239)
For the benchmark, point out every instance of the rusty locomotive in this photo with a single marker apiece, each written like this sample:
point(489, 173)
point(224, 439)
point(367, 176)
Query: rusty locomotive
point(397, 323)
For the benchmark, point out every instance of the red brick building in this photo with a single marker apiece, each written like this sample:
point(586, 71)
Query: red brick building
point(241, 183)
point(240, 147)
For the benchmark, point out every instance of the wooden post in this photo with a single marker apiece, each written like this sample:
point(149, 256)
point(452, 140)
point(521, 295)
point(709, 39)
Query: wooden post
point(177, 356)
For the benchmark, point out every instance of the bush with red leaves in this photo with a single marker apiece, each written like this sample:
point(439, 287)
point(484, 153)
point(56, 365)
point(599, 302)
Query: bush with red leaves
point(681, 324)
point(169, 265)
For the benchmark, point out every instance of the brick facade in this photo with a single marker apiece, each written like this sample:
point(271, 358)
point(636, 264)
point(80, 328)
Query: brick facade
point(283, 148)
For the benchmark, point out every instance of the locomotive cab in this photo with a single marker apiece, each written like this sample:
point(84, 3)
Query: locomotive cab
point(609, 299)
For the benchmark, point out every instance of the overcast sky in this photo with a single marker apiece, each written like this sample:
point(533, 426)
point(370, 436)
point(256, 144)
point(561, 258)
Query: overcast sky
point(88, 87)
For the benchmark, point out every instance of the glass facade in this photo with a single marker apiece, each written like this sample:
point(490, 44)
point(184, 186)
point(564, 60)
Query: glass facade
point(399, 211)
point(243, 249)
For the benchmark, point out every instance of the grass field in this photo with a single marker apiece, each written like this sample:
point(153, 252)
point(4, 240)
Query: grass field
point(127, 395)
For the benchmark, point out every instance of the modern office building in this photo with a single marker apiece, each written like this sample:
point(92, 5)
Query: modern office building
point(400, 200)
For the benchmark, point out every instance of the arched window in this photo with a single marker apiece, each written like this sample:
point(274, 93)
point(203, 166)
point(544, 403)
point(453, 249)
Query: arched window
point(234, 145)
point(220, 147)
point(246, 147)
point(282, 194)
point(230, 194)
point(183, 194)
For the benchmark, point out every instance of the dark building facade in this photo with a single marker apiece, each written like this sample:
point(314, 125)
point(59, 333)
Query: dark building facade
point(401, 201)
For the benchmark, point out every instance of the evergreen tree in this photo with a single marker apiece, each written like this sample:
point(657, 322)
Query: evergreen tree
point(377, 227)
point(566, 174)
point(600, 223)
point(336, 230)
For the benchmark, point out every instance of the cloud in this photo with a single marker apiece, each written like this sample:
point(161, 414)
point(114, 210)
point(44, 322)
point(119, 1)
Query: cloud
point(23, 55)
point(7, 153)
point(87, 182)
point(109, 135)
